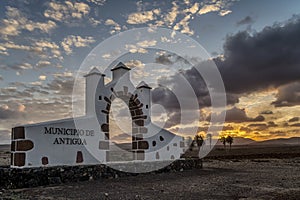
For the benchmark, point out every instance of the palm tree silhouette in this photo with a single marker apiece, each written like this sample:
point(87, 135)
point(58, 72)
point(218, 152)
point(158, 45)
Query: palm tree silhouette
point(229, 140)
point(199, 140)
point(223, 140)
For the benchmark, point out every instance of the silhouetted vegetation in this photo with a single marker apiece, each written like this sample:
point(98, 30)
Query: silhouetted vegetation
point(229, 140)
point(225, 140)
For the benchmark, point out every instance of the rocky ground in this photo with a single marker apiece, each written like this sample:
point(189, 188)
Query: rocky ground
point(272, 176)
point(219, 179)
point(4, 155)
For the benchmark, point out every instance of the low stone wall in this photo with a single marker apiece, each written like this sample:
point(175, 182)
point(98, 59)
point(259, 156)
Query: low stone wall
point(32, 177)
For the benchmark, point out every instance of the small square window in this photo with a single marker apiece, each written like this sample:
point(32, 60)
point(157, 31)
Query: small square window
point(146, 106)
point(100, 98)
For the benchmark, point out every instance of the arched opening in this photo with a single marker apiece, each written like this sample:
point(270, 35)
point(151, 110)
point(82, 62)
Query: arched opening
point(124, 127)
point(120, 131)
point(120, 122)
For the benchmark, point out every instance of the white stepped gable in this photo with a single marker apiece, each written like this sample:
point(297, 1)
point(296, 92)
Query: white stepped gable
point(94, 71)
point(142, 84)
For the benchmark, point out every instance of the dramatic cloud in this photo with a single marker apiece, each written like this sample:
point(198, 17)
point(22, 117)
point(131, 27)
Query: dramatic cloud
point(260, 60)
point(60, 86)
point(43, 63)
point(288, 95)
point(5, 47)
point(266, 112)
point(163, 59)
point(237, 115)
point(194, 79)
point(272, 124)
point(115, 26)
point(193, 9)
point(9, 93)
point(63, 12)
point(142, 17)
point(7, 113)
point(258, 127)
point(294, 119)
point(98, 2)
point(216, 6)
point(20, 67)
point(75, 41)
point(42, 77)
point(245, 21)
point(16, 22)
point(184, 25)
point(295, 125)
point(209, 8)
point(42, 48)
point(172, 15)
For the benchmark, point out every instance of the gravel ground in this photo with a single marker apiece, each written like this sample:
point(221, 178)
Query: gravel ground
point(219, 179)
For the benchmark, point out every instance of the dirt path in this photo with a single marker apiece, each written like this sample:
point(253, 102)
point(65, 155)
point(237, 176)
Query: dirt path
point(227, 179)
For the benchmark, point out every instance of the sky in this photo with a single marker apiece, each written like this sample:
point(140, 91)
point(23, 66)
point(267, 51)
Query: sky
point(254, 44)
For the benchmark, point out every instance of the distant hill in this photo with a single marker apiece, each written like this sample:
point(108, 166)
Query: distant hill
point(239, 141)
point(280, 141)
point(242, 141)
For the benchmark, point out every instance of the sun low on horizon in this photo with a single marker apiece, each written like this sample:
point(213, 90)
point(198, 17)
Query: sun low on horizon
point(256, 50)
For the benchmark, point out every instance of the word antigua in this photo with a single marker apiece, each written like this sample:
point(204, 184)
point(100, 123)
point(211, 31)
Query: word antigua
point(70, 141)
point(68, 131)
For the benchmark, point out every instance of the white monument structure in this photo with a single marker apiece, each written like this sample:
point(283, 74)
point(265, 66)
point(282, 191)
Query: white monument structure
point(86, 140)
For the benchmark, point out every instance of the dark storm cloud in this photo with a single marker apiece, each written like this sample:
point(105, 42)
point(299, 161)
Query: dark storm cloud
point(227, 128)
point(60, 86)
point(244, 21)
point(165, 97)
point(294, 119)
point(296, 125)
point(19, 67)
point(37, 107)
point(246, 129)
point(256, 61)
point(288, 95)
point(163, 59)
point(168, 99)
point(258, 127)
point(272, 124)
point(12, 93)
point(237, 115)
point(251, 62)
point(7, 113)
point(266, 112)
point(278, 133)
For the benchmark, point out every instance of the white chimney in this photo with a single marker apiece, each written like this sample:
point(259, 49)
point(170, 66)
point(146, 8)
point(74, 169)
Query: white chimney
point(120, 70)
point(92, 79)
point(144, 94)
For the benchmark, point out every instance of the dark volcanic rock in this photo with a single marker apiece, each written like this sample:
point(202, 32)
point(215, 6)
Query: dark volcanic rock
point(32, 177)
